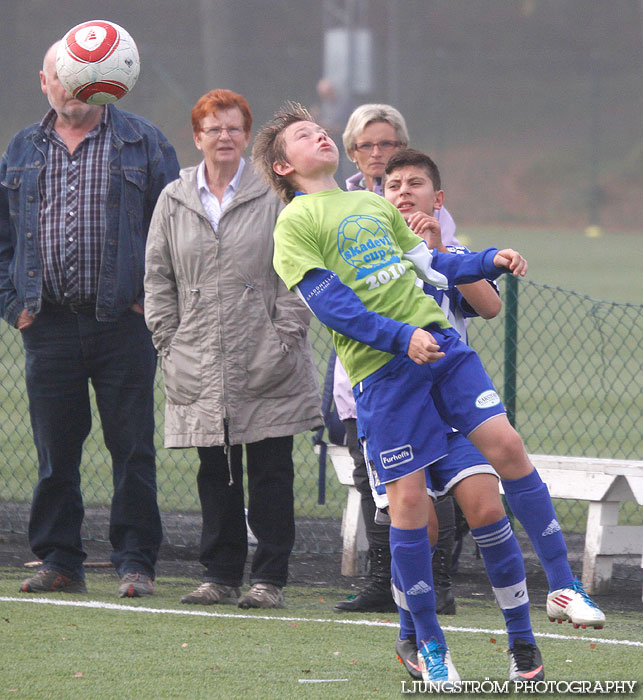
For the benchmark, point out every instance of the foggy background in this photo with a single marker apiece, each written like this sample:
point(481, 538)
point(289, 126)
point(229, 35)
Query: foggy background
point(531, 108)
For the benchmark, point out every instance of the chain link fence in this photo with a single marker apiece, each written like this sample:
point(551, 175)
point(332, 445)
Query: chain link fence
point(568, 368)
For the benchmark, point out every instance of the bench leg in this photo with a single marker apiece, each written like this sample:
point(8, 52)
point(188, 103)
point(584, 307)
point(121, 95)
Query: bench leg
point(354, 536)
point(597, 567)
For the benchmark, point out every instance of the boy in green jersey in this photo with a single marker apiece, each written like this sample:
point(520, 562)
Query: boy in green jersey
point(355, 262)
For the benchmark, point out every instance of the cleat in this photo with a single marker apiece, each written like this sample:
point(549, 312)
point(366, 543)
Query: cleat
point(134, 585)
point(574, 605)
point(407, 655)
point(525, 662)
point(209, 593)
point(49, 580)
point(435, 664)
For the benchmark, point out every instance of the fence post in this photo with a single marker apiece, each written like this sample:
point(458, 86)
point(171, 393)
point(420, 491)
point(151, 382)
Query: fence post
point(511, 346)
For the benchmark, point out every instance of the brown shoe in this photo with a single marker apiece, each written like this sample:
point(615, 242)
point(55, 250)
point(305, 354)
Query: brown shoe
point(209, 593)
point(47, 580)
point(263, 595)
point(135, 585)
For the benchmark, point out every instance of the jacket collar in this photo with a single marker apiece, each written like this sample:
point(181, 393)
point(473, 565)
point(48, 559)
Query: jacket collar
point(121, 127)
point(185, 190)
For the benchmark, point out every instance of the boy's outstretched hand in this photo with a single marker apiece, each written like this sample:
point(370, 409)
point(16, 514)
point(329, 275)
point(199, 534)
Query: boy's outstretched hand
point(423, 348)
point(512, 260)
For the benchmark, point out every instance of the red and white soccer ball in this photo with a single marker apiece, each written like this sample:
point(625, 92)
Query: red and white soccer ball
point(97, 62)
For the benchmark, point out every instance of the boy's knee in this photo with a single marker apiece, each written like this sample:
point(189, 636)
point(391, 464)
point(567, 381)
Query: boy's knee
point(506, 450)
point(510, 443)
point(485, 512)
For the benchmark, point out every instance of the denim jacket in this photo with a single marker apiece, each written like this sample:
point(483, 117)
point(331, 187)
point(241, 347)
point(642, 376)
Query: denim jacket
point(142, 162)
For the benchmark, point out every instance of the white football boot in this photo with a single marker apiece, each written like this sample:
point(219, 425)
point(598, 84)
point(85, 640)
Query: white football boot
point(575, 606)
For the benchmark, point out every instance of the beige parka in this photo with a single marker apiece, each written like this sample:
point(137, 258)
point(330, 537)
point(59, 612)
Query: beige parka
point(232, 340)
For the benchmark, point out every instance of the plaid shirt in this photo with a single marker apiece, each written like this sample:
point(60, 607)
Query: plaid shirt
point(73, 192)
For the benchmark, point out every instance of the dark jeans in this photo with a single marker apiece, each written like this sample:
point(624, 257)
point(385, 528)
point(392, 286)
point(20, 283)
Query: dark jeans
point(271, 511)
point(64, 351)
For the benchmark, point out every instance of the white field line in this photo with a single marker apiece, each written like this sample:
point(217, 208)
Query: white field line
point(363, 623)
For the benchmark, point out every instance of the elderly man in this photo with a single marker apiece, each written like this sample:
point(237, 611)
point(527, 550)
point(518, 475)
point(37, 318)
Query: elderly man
point(76, 196)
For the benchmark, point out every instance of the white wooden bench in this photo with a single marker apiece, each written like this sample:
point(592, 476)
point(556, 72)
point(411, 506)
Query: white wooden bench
point(605, 483)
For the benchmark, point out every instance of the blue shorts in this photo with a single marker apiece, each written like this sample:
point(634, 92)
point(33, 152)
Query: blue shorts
point(462, 460)
point(405, 411)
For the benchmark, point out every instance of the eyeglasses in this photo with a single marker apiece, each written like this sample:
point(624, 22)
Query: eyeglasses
point(367, 146)
point(214, 132)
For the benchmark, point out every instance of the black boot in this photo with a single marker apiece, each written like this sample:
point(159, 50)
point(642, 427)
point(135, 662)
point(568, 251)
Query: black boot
point(376, 596)
point(443, 555)
point(444, 600)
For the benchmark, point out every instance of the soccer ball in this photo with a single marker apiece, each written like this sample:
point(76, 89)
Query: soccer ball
point(97, 62)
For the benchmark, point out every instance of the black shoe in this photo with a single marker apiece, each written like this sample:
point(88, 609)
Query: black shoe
point(444, 601)
point(407, 654)
point(525, 662)
point(374, 598)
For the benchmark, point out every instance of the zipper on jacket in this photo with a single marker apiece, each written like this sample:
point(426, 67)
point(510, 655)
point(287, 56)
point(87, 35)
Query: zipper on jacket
point(195, 294)
point(227, 450)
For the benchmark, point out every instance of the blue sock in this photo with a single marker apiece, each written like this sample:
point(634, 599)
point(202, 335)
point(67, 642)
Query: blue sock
point(506, 571)
point(407, 628)
point(529, 500)
point(411, 556)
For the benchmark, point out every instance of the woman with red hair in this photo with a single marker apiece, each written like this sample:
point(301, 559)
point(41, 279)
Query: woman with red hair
point(233, 348)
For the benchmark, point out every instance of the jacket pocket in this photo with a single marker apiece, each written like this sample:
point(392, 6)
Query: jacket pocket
point(274, 364)
point(135, 181)
point(12, 183)
point(181, 362)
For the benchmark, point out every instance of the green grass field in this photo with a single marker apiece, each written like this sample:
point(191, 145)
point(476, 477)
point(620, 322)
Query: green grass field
point(605, 267)
point(158, 648)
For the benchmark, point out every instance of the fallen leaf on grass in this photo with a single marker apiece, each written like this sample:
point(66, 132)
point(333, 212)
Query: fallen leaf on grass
point(78, 675)
point(185, 644)
point(492, 640)
point(592, 646)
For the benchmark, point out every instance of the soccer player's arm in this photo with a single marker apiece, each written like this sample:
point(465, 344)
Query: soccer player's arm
point(444, 270)
point(337, 306)
point(480, 298)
